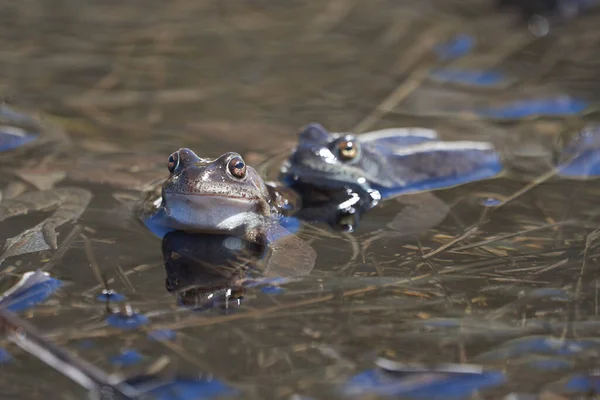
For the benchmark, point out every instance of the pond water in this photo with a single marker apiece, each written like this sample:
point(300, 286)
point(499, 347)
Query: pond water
point(505, 298)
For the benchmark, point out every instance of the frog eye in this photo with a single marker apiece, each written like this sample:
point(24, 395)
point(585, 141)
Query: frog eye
point(173, 162)
point(348, 149)
point(237, 167)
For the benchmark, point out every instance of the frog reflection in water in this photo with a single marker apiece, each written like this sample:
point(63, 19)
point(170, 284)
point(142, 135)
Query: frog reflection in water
point(207, 270)
point(356, 172)
point(36, 154)
point(226, 196)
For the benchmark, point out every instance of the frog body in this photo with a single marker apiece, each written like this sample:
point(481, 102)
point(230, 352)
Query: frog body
point(382, 164)
point(225, 196)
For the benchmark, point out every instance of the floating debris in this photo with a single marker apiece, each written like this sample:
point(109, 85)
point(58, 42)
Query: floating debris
point(101, 385)
point(457, 47)
point(33, 288)
point(127, 319)
point(12, 137)
point(272, 289)
point(479, 78)
point(397, 366)
point(127, 358)
point(583, 384)
point(5, 356)
point(582, 155)
point(424, 385)
point(290, 223)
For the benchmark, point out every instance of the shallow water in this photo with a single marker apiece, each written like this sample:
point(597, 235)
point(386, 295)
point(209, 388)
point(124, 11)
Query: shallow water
point(518, 295)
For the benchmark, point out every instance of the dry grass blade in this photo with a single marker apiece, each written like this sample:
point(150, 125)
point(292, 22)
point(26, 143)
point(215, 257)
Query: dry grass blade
point(451, 243)
point(335, 12)
point(62, 249)
point(93, 263)
point(589, 243)
point(509, 235)
point(87, 375)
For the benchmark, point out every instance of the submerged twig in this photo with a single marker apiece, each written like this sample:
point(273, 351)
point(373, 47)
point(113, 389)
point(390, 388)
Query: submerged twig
point(101, 385)
point(62, 249)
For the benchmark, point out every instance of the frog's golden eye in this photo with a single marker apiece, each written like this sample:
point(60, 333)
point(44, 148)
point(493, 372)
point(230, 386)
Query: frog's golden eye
point(173, 162)
point(237, 167)
point(348, 149)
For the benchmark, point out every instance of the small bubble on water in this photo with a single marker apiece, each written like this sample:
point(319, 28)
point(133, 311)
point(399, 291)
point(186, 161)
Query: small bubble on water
point(490, 202)
point(110, 295)
point(539, 26)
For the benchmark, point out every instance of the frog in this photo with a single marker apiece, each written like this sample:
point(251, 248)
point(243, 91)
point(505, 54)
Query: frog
point(391, 162)
point(366, 169)
point(40, 164)
point(225, 196)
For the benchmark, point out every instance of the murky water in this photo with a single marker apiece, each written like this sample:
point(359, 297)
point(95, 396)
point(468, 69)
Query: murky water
point(514, 289)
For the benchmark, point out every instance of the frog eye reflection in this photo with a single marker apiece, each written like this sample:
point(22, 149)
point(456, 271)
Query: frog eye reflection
point(348, 149)
point(173, 162)
point(237, 167)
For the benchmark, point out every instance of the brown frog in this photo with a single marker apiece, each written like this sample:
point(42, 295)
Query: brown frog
point(226, 196)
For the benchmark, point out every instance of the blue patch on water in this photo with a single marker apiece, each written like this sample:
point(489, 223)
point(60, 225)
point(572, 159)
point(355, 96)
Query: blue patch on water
point(162, 335)
point(550, 293)
point(110, 296)
point(156, 224)
point(272, 289)
point(126, 358)
point(290, 223)
point(469, 77)
point(125, 322)
point(85, 344)
point(10, 141)
point(586, 164)
point(421, 385)
point(183, 388)
point(5, 356)
point(582, 155)
point(24, 299)
point(583, 384)
point(490, 202)
point(557, 106)
point(459, 46)
point(275, 281)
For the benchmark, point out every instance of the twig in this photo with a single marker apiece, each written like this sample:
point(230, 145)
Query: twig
point(102, 386)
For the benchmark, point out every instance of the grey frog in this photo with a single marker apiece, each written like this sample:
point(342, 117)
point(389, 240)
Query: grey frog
point(387, 163)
